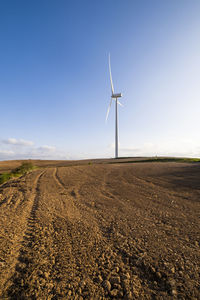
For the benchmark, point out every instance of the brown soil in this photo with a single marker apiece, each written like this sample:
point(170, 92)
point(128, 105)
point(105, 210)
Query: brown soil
point(101, 231)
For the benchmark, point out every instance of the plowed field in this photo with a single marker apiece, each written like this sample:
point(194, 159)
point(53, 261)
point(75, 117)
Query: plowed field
point(101, 231)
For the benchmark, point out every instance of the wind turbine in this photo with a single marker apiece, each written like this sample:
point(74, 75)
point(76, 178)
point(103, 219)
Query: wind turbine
point(114, 97)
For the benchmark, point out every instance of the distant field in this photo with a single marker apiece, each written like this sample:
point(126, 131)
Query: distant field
point(6, 166)
point(101, 229)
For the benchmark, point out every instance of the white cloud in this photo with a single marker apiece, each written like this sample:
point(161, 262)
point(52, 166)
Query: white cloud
point(12, 148)
point(47, 148)
point(20, 142)
point(5, 152)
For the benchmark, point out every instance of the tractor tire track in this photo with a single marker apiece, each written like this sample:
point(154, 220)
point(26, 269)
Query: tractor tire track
point(71, 192)
point(68, 197)
point(60, 184)
point(57, 179)
point(19, 282)
point(14, 213)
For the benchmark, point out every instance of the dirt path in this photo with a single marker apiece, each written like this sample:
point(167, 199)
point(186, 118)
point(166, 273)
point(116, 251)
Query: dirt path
point(100, 232)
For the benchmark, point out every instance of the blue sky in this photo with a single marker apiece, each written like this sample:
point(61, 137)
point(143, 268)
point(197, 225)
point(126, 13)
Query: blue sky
point(54, 78)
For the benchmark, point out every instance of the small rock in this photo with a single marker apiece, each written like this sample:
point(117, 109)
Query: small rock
point(172, 282)
point(166, 264)
point(126, 276)
point(180, 273)
point(82, 283)
point(53, 260)
point(129, 295)
point(2, 263)
point(69, 293)
point(58, 290)
point(114, 293)
point(116, 269)
point(174, 292)
point(155, 283)
point(153, 270)
point(107, 285)
point(158, 275)
point(22, 282)
point(99, 278)
point(173, 270)
point(40, 273)
point(115, 279)
point(46, 274)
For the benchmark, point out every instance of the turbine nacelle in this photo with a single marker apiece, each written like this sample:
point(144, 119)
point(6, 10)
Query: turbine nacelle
point(116, 95)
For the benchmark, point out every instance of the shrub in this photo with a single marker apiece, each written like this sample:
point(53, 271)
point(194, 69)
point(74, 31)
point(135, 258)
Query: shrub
point(23, 169)
point(4, 177)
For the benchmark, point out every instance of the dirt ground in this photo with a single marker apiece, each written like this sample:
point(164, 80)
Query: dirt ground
point(101, 231)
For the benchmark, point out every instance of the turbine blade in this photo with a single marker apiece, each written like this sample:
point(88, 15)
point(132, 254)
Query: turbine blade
point(112, 87)
point(118, 102)
point(108, 109)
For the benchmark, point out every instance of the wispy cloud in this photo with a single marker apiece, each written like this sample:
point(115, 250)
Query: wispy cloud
point(12, 148)
point(47, 148)
point(185, 148)
point(6, 153)
point(20, 142)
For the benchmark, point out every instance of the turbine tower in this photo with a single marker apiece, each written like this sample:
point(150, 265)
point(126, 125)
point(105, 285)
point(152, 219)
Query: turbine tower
point(114, 97)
